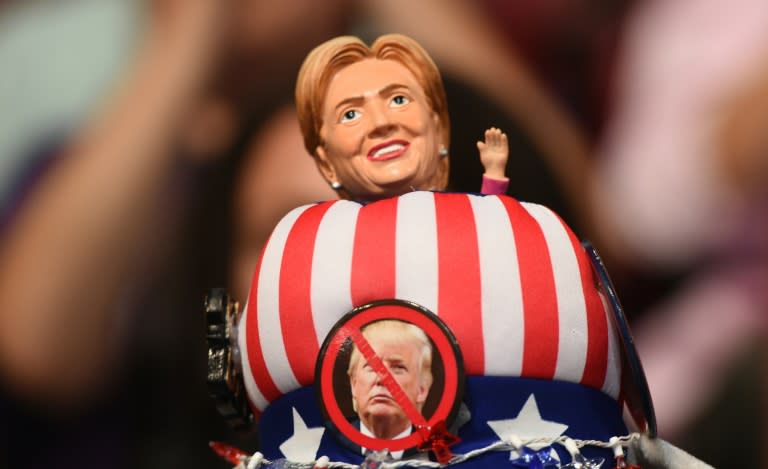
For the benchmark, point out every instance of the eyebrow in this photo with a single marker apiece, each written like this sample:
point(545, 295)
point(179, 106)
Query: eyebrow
point(382, 92)
point(395, 359)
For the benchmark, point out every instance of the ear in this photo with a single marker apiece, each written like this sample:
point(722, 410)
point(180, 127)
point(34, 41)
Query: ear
point(352, 383)
point(324, 165)
point(441, 138)
point(421, 397)
point(442, 172)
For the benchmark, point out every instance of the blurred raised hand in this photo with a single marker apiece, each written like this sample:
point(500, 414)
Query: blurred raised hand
point(95, 223)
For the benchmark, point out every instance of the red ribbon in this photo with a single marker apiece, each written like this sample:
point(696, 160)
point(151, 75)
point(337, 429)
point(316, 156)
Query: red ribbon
point(437, 439)
point(228, 453)
point(621, 464)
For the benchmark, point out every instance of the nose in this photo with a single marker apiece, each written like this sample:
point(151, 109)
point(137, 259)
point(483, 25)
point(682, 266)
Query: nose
point(381, 121)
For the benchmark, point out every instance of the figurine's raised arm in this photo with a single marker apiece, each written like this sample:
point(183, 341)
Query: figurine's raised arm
point(494, 153)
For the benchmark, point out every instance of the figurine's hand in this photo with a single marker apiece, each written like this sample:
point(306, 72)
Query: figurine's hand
point(494, 152)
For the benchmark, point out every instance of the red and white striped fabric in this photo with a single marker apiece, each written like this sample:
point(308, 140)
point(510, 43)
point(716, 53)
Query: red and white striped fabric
point(509, 279)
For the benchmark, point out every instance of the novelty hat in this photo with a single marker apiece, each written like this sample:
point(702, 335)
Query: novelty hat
point(436, 329)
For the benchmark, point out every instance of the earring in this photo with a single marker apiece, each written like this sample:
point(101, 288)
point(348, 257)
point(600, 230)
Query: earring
point(336, 185)
point(443, 152)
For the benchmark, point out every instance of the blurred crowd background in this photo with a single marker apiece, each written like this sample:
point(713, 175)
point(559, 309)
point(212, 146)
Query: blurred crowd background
point(148, 147)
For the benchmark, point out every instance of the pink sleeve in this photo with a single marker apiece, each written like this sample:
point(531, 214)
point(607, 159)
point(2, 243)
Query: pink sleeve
point(493, 186)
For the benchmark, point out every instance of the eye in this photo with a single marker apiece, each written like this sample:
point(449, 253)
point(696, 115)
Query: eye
point(399, 100)
point(350, 115)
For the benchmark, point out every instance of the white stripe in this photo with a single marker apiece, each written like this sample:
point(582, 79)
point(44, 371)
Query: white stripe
point(571, 305)
point(612, 385)
point(268, 305)
point(416, 249)
point(332, 266)
point(501, 291)
point(254, 395)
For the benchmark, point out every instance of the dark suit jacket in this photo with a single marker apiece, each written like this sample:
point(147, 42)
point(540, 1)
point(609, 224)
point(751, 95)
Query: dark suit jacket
point(408, 453)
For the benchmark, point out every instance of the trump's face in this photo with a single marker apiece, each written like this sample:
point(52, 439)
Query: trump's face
point(376, 407)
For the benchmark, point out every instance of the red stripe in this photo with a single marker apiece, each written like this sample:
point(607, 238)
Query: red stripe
point(261, 376)
point(459, 301)
point(373, 255)
point(296, 319)
point(541, 335)
point(596, 365)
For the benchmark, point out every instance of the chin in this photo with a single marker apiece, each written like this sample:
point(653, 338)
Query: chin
point(384, 410)
point(393, 187)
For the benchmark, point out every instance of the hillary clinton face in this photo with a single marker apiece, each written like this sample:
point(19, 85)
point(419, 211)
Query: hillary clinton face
point(380, 136)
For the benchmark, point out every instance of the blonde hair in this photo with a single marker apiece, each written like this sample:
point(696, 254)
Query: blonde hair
point(325, 60)
point(398, 332)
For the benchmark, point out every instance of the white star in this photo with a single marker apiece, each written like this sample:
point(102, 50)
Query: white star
point(302, 446)
point(528, 424)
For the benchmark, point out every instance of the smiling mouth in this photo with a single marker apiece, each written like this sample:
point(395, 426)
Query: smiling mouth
point(387, 151)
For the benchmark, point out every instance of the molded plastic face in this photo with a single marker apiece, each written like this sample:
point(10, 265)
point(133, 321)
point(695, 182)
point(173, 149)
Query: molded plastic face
point(381, 138)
